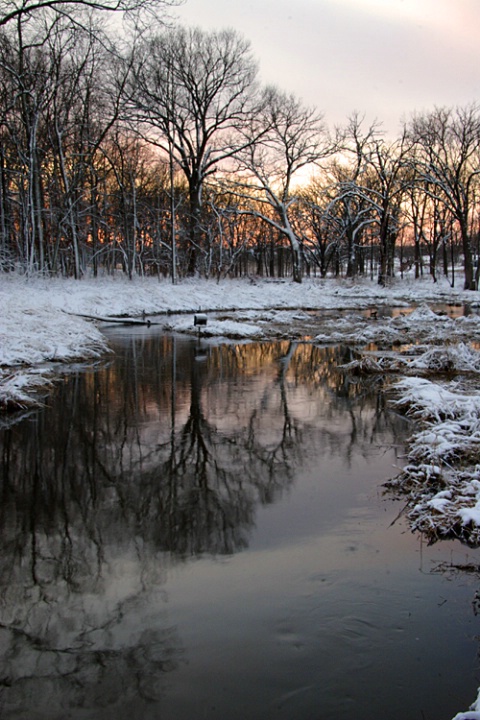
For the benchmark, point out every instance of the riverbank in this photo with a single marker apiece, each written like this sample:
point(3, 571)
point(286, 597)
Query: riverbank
point(39, 324)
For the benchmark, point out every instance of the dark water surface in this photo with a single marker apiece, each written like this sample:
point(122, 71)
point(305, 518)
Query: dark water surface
point(199, 531)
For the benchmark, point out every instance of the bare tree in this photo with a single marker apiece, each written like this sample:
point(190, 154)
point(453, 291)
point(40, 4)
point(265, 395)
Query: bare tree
point(284, 138)
point(349, 211)
point(448, 164)
point(193, 90)
point(368, 192)
point(14, 10)
point(387, 180)
point(26, 83)
point(57, 110)
point(322, 240)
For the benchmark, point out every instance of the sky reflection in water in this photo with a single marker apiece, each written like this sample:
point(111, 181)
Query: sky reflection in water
point(199, 531)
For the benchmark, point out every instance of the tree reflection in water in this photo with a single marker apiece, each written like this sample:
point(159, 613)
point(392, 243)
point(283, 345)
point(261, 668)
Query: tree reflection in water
point(160, 456)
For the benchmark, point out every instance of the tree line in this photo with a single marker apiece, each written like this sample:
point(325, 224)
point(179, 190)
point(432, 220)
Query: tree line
point(157, 151)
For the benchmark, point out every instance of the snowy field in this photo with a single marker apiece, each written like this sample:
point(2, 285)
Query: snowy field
point(433, 359)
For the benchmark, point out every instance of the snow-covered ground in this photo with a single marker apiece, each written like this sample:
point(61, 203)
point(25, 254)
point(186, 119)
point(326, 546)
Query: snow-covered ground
point(434, 359)
point(38, 322)
point(41, 327)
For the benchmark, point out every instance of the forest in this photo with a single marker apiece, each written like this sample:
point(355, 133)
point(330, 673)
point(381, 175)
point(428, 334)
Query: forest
point(148, 148)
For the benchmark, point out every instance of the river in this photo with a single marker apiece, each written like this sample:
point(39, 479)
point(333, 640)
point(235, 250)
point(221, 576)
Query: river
point(199, 530)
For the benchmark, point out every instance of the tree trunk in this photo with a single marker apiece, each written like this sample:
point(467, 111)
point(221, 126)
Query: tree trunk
point(195, 230)
point(469, 283)
point(295, 249)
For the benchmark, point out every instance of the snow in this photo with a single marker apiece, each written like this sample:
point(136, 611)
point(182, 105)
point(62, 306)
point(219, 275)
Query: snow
point(39, 323)
point(419, 325)
point(473, 713)
point(435, 358)
point(442, 476)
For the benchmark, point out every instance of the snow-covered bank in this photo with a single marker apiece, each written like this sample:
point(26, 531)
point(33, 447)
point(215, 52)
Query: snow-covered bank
point(442, 478)
point(436, 362)
point(418, 327)
point(38, 322)
point(473, 713)
point(117, 296)
point(32, 337)
point(35, 329)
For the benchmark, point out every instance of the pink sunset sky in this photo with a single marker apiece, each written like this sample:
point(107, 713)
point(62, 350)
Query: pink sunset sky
point(383, 58)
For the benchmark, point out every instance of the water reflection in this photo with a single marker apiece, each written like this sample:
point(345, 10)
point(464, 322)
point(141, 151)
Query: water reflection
point(178, 449)
point(162, 456)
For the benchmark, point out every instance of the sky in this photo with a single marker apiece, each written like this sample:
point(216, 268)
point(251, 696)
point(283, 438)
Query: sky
point(384, 59)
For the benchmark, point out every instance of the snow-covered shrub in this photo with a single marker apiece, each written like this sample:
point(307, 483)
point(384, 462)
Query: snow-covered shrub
point(442, 477)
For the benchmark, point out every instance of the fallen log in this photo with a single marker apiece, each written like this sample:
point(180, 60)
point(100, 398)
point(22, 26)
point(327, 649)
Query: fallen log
point(121, 320)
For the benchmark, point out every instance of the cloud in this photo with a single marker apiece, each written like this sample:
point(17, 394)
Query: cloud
point(386, 58)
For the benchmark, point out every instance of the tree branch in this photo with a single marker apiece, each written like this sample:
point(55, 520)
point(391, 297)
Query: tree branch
point(27, 7)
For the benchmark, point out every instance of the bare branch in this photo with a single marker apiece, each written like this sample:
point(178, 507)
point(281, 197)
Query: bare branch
point(14, 9)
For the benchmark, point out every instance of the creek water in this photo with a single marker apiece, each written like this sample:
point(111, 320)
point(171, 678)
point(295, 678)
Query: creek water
point(199, 530)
